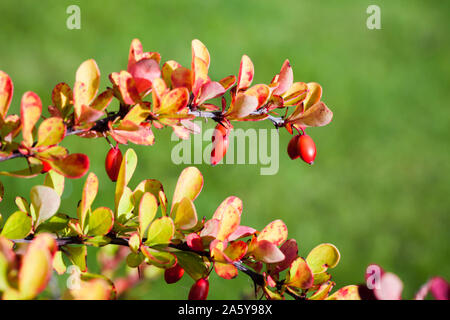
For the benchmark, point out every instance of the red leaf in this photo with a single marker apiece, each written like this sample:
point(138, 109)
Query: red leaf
point(73, 166)
point(144, 72)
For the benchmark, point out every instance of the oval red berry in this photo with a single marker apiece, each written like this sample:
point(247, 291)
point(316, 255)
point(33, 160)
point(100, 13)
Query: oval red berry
point(306, 148)
point(173, 274)
point(292, 149)
point(199, 290)
point(112, 163)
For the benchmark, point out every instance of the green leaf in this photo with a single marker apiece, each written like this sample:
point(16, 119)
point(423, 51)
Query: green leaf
point(98, 241)
point(129, 163)
point(45, 202)
point(55, 181)
point(55, 224)
point(22, 204)
point(18, 226)
point(159, 259)
point(189, 185)
point(4, 284)
point(101, 221)
point(160, 231)
point(126, 206)
point(58, 263)
point(77, 255)
point(186, 215)
point(134, 242)
point(90, 190)
point(192, 263)
point(134, 259)
point(147, 211)
point(322, 257)
point(150, 185)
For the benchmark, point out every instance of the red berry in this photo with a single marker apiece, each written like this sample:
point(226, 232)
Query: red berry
point(292, 149)
point(199, 290)
point(46, 167)
point(112, 163)
point(220, 143)
point(173, 274)
point(306, 148)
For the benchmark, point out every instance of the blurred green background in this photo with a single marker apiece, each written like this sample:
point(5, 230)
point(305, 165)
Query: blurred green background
point(379, 189)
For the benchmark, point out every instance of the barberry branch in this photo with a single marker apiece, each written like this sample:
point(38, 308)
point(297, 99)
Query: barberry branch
point(257, 278)
point(102, 125)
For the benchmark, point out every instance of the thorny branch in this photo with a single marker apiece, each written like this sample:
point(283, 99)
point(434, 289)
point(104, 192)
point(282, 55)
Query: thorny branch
point(102, 124)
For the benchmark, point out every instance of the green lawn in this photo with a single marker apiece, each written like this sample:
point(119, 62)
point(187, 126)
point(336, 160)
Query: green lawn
point(379, 189)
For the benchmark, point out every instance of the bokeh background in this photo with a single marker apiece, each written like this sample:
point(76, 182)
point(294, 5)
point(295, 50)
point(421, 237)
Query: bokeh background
point(379, 189)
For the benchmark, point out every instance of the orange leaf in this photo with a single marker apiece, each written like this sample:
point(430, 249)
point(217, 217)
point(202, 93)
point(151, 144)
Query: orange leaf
point(209, 90)
point(236, 250)
point(174, 101)
point(181, 77)
point(73, 166)
point(129, 131)
point(295, 94)
point(36, 267)
point(275, 232)
point(316, 116)
point(230, 221)
point(62, 95)
point(227, 82)
point(167, 70)
point(313, 96)
point(199, 50)
point(6, 93)
point(189, 185)
point(346, 293)
point(30, 112)
point(243, 106)
point(51, 132)
point(137, 53)
point(225, 270)
point(87, 81)
point(88, 114)
point(199, 74)
point(128, 89)
point(103, 100)
point(300, 275)
point(261, 92)
point(90, 190)
point(230, 201)
point(285, 78)
point(246, 73)
point(159, 88)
